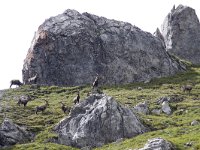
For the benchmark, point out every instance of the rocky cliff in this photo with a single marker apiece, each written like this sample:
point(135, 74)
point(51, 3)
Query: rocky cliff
point(71, 48)
point(181, 32)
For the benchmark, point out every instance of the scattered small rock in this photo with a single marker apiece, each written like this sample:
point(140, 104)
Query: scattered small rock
point(158, 144)
point(188, 144)
point(156, 111)
point(162, 99)
point(86, 148)
point(142, 108)
point(166, 108)
point(194, 123)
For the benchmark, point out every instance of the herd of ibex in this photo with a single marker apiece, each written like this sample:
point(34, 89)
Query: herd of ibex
point(23, 100)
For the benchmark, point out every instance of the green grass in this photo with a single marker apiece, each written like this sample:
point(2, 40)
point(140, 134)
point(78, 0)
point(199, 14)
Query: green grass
point(175, 128)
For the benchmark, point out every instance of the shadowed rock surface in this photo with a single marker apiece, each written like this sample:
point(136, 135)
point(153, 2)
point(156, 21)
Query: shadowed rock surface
point(71, 48)
point(181, 32)
point(96, 121)
point(11, 134)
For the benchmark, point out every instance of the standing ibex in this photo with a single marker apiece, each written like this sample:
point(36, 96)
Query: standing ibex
point(23, 100)
point(65, 108)
point(15, 82)
point(77, 98)
point(33, 80)
point(42, 107)
point(186, 88)
point(96, 82)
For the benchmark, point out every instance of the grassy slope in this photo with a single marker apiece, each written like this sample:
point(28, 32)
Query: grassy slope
point(175, 128)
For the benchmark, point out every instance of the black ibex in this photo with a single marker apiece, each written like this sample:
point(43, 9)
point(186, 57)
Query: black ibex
point(15, 82)
point(23, 100)
point(42, 107)
point(65, 108)
point(186, 88)
point(77, 98)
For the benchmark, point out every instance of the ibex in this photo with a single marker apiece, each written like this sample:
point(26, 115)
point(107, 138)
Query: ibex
point(33, 80)
point(96, 82)
point(15, 82)
point(77, 98)
point(42, 107)
point(186, 88)
point(65, 108)
point(23, 100)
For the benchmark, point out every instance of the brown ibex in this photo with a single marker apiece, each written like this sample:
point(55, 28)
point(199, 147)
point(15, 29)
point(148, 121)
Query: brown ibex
point(65, 108)
point(77, 98)
point(186, 88)
point(15, 82)
point(23, 100)
point(42, 107)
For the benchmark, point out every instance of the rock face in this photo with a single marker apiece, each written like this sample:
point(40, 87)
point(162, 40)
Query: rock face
point(71, 48)
point(11, 134)
point(158, 144)
point(181, 32)
point(96, 121)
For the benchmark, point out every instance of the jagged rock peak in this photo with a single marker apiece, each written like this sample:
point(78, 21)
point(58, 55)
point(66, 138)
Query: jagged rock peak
point(98, 120)
point(71, 48)
point(181, 32)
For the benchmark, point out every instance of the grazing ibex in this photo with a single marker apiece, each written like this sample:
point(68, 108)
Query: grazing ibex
point(77, 98)
point(186, 88)
point(23, 100)
point(15, 82)
point(65, 108)
point(42, 107)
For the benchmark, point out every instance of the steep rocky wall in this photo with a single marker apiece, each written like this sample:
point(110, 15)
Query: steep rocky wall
point(71, 48)
point(181, 32)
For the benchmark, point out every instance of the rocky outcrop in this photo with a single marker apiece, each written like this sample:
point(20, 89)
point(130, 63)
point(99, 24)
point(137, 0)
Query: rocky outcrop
point(181, 32)
point(158, 144)
point(71, 48)
point(11, 134)
point(96, 121)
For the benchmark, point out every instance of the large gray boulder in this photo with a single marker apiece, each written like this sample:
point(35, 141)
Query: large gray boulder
point(98, 120)
point(71, 48)
point(158, 144)
point(181, 32)
point(11, 134)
